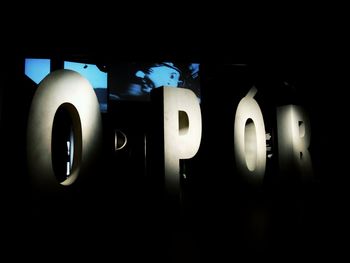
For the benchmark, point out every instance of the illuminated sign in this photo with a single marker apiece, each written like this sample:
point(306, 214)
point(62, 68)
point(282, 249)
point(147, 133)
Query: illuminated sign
point(293, 127)
point(182, 130)
point(67, 89)
point(250, 139)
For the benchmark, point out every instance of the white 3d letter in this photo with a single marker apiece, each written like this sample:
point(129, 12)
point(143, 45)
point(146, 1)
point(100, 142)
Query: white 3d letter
point(182, 132)
point(69, 88)
point(293, 140)
point(250, 139)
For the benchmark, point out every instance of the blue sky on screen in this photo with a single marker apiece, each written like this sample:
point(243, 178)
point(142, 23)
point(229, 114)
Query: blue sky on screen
point(97, 78)
point(36, 69)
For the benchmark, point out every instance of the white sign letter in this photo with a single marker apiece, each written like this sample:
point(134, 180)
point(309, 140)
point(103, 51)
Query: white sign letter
point(250, 139)
point(293, 140)
point(182, 132)
point(70, 89)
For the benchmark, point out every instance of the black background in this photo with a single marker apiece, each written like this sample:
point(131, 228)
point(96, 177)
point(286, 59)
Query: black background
point(118, 212)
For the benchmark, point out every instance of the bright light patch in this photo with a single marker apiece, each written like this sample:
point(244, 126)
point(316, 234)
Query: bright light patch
point(250, 145)
point(68, 169)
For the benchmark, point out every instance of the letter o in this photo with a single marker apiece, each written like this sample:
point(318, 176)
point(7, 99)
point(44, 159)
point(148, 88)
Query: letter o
point(62, 87)
point(250, 139)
